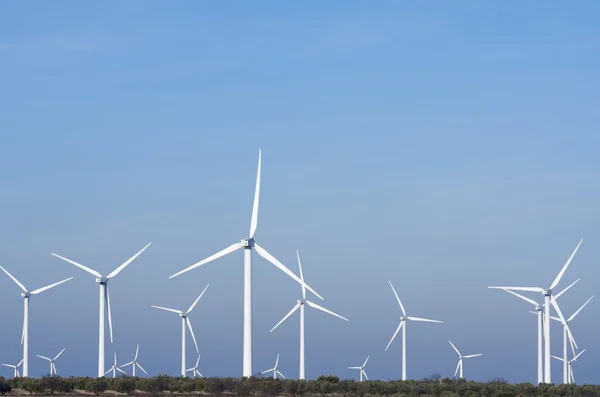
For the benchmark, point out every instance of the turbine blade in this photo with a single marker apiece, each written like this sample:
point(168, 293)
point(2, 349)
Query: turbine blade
point(572, 343)
point(398, 299)
point(580, 309)
point(457, 367)
point(79, 265)
point(21, 362)
point(37, 291)
point(564, 268)
point(129, 363)
point(58, 355)
point(14, 279)
point(454, 347)
point(45, 358)
point(395, 333)
point(286, 316)
point(254, 220)
point(197, 361)
point(280, 374)
point(321, 308)
point(367, 360)
point(301, 275)
point(354, 368)
point(365, 374)
point(579, 354)
point(228, 250)
point(189, 324)
point(137, 350)
point(555, 318)
point(262, 252)
point(522, 297)
point(10, 366)
point(528, 289)
point(566, 289)
point(199, 374)
point(424, 320)
point(127, 262)
point(269, 370)
point(562, 318)
point(472, 355)
point(197, 299)
point(120, 370)
point(558, 358)
point(277, 361)
point(109, 314)
point(167, 309)
point(572, 375)
point(140, 367)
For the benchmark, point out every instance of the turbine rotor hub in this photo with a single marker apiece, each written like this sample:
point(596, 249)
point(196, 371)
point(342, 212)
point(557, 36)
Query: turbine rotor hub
point(248, 243)
point(25, 294)
point(547, 292)
point(102, 280)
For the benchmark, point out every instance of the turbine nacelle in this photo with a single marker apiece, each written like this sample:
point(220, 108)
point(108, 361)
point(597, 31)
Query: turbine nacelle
point(248, 242)
point(547, 292)
point(25, 294)
point(102, 280)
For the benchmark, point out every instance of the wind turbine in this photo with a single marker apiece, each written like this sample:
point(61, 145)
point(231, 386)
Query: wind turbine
point(300, 305)
point(51, 361)
point(135, 363)
point(25, 334)
point(195, 368)
point(403, 324)
point(185, 320)
point(115, 368)
point(567, 333)
point(460, 360)
point(248, 244)
point(548, 299)
point(104, 302)
point(274, 370)
point(539, 310)
point(15, 368)
point(569, 363)
point(361, 370)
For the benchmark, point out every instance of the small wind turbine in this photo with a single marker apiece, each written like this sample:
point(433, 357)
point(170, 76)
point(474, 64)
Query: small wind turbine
point(15, 368)
point(104, 302)
point(403, 324)
point(569, 364)
point(185, 320)
point(548, 299)
point(115, 368)
point(135, 363)
point(25, 334)
point(460, 360)
point(248, 244)
point(51, 361)
point(274, 370)
point(539, 310)
point(361, 370)
point(300, 305)
point(195, 368)
point(567, 334)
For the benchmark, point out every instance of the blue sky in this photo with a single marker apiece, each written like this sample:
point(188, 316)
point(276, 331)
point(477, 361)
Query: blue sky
point(445, 147)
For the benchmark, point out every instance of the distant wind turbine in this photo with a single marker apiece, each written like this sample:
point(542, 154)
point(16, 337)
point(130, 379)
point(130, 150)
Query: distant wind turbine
point(185, 320)
point(115, 368)
point(25, 334)
point(548, 299)
point(569, 364)
point(460, 360)
point(274, 370)
point(248, 244)
point(300, 305)
point(135, 363)
point(403, 323)
point(51, 361)
point(104, 302)
point(195, 368)
point(15, 368)
point(361, 370)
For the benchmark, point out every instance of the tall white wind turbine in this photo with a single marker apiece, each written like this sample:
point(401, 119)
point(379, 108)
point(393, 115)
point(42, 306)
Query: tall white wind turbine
point(300, 305)
point(539, 311)
point(460, 360)
point(134, 363)
point(548, 300)
point(194, 369)
point(567, 335)
point(25, 334)
point(104, 302)
point(571, 378)
point(275, 370)
point(403, 323)
point(248, 244)
point(185, 320)
point(51, 361)
point(15, 368)
point(115, 368)
point(361, 370)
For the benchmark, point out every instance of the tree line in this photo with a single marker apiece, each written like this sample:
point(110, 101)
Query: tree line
point(268, 387)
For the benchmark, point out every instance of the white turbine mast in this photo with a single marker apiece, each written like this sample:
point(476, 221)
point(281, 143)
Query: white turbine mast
point(549, 299)
point(539, 311)
point(300, 305)
point(403, 322)
point(51, 361)
point(185, 321)
point(25, 333)
point(194, 369)
point(275, 370)
point(460, 360)
point(570, 366)
point(361, 370)
point(134, 363)
point(15, 368)
point(248, 244)
point(104, 302)
point(115, 368)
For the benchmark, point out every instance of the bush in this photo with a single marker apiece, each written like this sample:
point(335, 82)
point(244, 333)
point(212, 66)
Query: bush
point(97, 386)
point(4, 387)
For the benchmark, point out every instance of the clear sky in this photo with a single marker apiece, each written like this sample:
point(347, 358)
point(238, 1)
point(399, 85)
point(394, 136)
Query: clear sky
point(445, 147)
